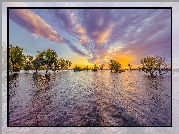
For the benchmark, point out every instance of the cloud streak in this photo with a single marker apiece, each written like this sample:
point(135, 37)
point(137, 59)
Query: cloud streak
point(102, 33)
point(38, 27)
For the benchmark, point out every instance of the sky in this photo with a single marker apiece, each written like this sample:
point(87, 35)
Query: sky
point(89, 36)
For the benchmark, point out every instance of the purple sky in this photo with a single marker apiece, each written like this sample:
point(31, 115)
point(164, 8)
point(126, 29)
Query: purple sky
point(97, 35)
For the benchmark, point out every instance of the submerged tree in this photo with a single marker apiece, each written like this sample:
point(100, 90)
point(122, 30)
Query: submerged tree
point(47, 58)
point(130, 66)
point(101, 66)
point(62, 64)
point(152, 63)
point(16, 58)
point(50, 57)
point(86, 68)
point(115, 66)
point(161, 63)
point(77, 68)
point(95, 68)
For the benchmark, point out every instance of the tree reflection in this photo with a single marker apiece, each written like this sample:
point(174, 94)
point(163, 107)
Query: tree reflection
point(42, 96)
point(13, 84)
point(153, 82)
point(13, 76)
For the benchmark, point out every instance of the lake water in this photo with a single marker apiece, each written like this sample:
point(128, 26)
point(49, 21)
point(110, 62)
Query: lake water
point(86, 98)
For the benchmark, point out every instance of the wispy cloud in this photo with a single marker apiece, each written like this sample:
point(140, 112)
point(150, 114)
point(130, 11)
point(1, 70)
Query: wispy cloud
point(102, 33)
point(38, 27)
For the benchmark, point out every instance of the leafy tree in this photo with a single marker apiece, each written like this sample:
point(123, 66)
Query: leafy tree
point(69, 64)
point(95, 68)
point(16, 58)
point(46, 57)
point(101, 66)
point(161, 63)
point(62, 64)
point(36, 64)
point(77, 68)
point(86, 68)
point(28, 63)
point(152, 63)
point(50, 57)
point(115, 66)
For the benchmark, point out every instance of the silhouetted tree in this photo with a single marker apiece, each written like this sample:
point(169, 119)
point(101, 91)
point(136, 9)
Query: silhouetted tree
point(77, 68)
point(95, 68)
point(116, 66)
point(130, 66)
point(101, 66)
point(86, 68)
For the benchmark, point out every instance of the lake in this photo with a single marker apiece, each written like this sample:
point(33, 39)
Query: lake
point(102, 98)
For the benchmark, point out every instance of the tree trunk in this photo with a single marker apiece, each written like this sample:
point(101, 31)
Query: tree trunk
point(152, 73)
point(159, 70)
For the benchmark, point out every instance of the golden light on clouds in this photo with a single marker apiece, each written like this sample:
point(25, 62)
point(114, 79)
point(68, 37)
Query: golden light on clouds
point(114, 48)
point(102, 37)
point(37, 26)
point(80, 29)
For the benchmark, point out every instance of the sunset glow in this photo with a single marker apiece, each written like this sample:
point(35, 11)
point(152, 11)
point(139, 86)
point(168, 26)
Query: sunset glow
point(88, 36)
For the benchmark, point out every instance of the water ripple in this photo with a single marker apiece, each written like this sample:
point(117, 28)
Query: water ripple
point(102, 98)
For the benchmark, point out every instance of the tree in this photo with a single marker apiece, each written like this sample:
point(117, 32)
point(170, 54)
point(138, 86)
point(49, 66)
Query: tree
point(46, 57)
point(50, 57)
point(130, 66)
point(69, 63)
point(116, 66)
point(161, 63)
point(86, 68)
point(36, 64)
point(77, 68)
point(95, 68)
point(16, 58)
point(152, 63)
point(101, 66)
point(62, 64)
point(28, 63)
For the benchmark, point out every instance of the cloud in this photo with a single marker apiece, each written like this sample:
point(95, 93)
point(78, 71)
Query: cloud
point(103, 36)
point(34, 24)
point(103, 33)
point(38, 27)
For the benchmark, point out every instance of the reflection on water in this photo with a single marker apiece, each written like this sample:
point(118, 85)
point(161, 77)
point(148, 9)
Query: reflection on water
point(90, 98)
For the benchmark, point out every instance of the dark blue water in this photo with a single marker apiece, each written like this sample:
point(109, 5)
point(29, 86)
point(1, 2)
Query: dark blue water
point(102, 98)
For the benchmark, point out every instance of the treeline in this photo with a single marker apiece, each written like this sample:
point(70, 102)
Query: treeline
point(94, 68)
point(48, 59)
point(150, 64)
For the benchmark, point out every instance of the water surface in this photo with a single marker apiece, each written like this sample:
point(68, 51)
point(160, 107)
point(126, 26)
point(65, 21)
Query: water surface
point(86, 98)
